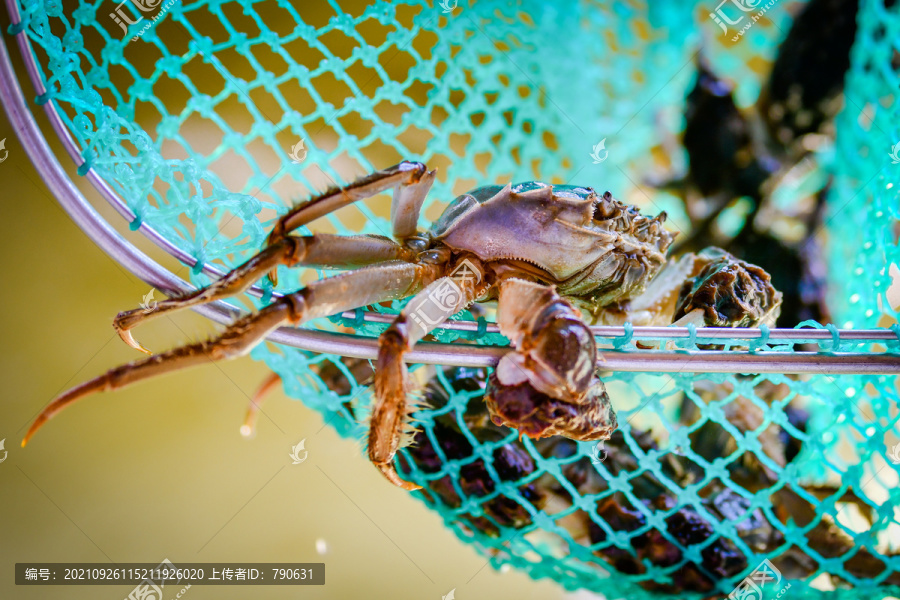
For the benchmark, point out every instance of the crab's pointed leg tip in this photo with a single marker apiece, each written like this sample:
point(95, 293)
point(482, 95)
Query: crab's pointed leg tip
point(273, 277)
point(247, 431)
point(33, 429)
point(126, 336)
point(63, 400)
point(391, 474)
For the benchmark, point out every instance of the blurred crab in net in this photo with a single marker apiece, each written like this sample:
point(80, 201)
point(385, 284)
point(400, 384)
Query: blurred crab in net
point(620, 523)
point(744, 156)
point(555, 258)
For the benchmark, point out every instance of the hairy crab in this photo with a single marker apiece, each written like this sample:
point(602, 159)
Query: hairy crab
point(540, 251)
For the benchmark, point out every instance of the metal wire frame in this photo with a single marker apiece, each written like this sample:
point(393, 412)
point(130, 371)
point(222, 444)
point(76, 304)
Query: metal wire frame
point(151, 272)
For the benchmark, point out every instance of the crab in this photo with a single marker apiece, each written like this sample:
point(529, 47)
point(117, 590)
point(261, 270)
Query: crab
point(554, 258)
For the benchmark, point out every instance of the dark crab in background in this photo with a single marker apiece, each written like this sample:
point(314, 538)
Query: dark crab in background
point(449, 440)
point(736, 153)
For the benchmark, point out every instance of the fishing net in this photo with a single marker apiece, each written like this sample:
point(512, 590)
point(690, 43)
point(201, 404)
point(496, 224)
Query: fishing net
point(193, 112)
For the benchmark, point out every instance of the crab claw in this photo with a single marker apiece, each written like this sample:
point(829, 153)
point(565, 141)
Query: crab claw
point(548, 385)
point(558, 358)
point(538, 415)
point(727, 292)
point(555, 349)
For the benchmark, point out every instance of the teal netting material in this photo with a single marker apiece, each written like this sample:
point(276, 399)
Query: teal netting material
point(866, 197)
point(191, 118)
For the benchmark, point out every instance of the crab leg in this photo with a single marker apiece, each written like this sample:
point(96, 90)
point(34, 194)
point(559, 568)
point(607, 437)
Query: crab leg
point(325, 250)
point(320, 298)
point(410, 181)
point(388, 428)
point(248, 428)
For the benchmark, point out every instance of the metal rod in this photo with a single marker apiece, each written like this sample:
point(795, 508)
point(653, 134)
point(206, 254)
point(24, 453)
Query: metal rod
point(680, 361)
point(113, 244)
point(741, 333)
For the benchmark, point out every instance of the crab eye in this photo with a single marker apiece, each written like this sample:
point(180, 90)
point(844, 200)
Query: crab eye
point(417, 244)
point(606, 207)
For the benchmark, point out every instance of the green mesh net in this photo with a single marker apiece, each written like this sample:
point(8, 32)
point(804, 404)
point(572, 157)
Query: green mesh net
point(192, 112)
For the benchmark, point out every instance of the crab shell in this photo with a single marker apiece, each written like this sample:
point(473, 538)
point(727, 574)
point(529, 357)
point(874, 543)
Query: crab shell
point(590, 246)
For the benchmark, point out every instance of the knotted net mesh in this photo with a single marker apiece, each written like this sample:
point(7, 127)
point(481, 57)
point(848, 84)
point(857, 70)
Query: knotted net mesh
point(194, 113)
